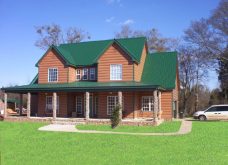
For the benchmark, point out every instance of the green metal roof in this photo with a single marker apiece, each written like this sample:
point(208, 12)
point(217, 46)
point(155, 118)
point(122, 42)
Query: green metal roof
point(160, 68)
point(83, 86)
point(87, 53)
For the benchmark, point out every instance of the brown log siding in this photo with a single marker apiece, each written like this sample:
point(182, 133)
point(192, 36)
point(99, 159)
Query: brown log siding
point(166, 105)
point(114, 55)
point(138, 68)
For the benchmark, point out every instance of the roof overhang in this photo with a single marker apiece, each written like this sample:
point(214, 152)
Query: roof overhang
point(35, 88)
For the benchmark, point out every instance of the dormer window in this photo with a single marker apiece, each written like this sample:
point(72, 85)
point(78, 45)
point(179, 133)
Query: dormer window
point(78, 74)
point(85, 74)
point(92, 73)
point(52, 75)
point(115, 72)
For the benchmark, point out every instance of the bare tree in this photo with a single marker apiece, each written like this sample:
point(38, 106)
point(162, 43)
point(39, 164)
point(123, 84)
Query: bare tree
point(155, 40)
point(54, 35)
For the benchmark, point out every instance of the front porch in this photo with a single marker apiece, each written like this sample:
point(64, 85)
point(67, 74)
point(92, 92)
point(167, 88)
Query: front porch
point(134, 105)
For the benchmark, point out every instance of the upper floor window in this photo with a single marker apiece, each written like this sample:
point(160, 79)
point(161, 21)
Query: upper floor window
point(52, 74)
point(92, 73)
point(78, 74)
point(85, 74)
point(115, 72)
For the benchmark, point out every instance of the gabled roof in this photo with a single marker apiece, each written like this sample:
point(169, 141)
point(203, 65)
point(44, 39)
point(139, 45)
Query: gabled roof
point(87, 53)
point(160, 68)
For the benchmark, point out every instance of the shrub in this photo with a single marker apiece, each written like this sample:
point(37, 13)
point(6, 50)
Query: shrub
point(1, 118)
point(115, 117)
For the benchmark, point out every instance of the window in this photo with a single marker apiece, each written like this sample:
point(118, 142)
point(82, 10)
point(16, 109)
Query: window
point(85, 74)
point(147, 103)
point(112, 101)
point(79, 105)
point(92, 73)
point(52, 75)
point(78, 74)
point(213, 109)
point(115, 72)
point(49, 106)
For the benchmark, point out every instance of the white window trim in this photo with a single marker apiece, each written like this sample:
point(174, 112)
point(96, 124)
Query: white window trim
point(80, 105)
point(49, 79)
point(121, 76)
point(150, 103)
point(78, 74)
point(83, 73)
point(94, 73)
point(46, 105)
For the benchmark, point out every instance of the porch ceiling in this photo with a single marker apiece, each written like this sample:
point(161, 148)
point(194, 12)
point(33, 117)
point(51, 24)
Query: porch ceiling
point(83, 86)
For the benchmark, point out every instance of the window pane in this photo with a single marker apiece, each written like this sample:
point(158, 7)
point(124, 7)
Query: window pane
point(78, 74)
point(52, 75)
point(147, 103)
point(115, 72)
point(92, 73)
point(85, 74)
point(112, 101)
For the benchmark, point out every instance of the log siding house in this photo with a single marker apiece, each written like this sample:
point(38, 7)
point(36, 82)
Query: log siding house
point(88, 79)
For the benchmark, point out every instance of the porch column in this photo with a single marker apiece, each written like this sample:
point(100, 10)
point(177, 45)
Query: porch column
point(155, 105)
point(5, 104)
point(21, 105)
point(54, 105)
point(120, 102)
point(87, 106)
point(160, 108)
point(177, 109)
point(134, 106)
point(28, 105)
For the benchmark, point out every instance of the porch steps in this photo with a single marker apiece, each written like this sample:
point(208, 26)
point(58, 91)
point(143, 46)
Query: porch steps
point(68, 121)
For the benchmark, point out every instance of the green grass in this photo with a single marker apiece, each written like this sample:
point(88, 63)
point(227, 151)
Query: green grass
point(164, 127)
point(23, 144)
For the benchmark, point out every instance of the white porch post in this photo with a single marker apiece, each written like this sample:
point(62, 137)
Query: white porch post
point(155, 105)
point(28, 105)
point(87, 106)
point(5, 104)
point(160, 108)
point(120, 102)
point(54, 104)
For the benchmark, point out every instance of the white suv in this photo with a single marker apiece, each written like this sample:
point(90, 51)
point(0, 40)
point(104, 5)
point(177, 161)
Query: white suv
point(215, 112)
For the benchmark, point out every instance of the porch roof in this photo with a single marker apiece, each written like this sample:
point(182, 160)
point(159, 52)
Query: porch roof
point(83, 86)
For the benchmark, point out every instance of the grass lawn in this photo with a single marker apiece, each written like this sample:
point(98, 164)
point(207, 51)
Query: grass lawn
point(164, 127)
point(23, 144)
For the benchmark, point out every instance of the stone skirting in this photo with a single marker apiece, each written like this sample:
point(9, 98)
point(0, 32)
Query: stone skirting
point(132, 122)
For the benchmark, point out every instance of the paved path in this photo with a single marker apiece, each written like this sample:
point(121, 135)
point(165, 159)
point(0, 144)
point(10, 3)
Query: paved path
point(186, 127)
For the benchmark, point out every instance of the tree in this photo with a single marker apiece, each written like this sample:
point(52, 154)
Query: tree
point(54, 35)
point(155, 40)
point(115, 118)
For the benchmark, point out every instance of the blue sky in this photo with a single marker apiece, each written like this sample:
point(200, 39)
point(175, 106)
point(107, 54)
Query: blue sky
point(101, 18)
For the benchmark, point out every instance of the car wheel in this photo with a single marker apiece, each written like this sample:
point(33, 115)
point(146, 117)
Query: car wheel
point(202, 118)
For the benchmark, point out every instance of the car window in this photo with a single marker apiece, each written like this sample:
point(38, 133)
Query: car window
point(212, 109)
point(223, 108)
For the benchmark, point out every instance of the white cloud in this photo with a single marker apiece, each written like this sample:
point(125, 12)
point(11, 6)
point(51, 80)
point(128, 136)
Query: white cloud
point(109, 20)
point(128, 22)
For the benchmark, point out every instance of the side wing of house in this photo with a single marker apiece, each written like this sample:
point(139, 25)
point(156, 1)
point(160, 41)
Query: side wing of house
point(52, 60)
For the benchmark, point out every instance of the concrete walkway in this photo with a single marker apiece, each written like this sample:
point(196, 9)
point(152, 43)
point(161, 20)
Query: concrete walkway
point(186, 127)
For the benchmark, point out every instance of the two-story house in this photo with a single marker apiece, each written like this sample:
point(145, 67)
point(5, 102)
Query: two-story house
point(88, 79)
